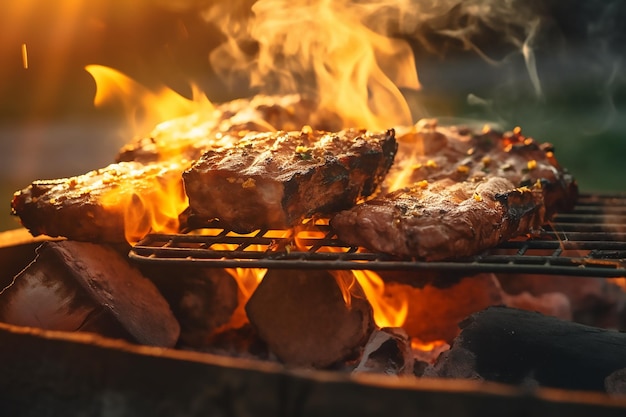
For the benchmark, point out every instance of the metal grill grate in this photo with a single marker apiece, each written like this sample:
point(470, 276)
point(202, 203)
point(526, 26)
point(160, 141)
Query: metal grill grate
point(589, 241)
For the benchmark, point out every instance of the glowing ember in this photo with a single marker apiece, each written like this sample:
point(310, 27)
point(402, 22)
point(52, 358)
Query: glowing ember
point(417, 344)
point(24, 56)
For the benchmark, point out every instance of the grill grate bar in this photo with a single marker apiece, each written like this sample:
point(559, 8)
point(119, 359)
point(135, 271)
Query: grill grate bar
point(589, 241)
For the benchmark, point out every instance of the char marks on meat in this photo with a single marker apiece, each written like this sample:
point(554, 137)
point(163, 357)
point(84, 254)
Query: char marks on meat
point(93, 206)
point(470, 191)
point(275, 180)
point(442, 220)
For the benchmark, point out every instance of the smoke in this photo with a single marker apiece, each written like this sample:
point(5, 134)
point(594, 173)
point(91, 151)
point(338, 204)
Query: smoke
point(364, 55)
point(338, 51)
point(540, 54)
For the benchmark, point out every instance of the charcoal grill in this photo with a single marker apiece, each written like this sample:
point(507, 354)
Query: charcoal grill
point(588, 241)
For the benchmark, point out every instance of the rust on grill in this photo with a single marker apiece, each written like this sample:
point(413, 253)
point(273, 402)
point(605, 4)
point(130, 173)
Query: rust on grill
point(589, 241)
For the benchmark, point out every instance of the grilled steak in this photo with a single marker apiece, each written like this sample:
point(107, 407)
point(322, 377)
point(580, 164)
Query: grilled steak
point(274, 180)
point(98, 205)
point(470, 191)
point(445, 219)
point(95, 206)
point(186, 138)
point(430, 152)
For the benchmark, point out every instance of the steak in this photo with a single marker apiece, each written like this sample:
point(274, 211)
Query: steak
point(431, 152)
point(186, 138)
point(275, 180)
point(468, 192)
point(445, 219)
point(95, 206)
point(98, 206)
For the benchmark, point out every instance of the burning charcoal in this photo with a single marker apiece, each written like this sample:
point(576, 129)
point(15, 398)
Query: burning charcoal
point(513, 346)
point(304, 319)
point(455, 363)
point(435, 312)
point(422, 277)
point(75, 286)
point(241, 342)
point(202, 299)
point(387, 351)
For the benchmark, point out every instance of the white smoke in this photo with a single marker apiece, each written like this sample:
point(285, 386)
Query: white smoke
point(535, 48)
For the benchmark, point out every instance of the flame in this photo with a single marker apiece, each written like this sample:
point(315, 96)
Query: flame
point(346, 281)
point(155, 201)
point(248, 279)
point(152, 204)
point(417, 344)
point(336, 49)
point(428, 351)
point(143, 108)
point(619, 281)
point(388, 311)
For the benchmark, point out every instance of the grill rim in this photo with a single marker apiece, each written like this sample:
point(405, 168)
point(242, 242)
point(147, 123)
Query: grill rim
point(602, 247)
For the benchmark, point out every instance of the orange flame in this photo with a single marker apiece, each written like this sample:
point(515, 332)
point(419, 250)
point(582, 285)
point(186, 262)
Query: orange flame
point(150, 196)
point(344, 55)
point(248, 279)
point(620, 282)
point(417, 344)
point(143, 108)
point(388, 311)
point(337, 49)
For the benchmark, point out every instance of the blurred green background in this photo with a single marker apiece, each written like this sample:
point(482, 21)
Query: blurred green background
point(49, 127)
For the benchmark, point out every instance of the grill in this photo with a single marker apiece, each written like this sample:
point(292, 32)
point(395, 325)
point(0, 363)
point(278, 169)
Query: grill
point(588, 241)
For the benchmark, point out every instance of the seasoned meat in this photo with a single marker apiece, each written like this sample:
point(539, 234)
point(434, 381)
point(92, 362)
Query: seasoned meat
point(274, 180)
point(445, 219)
point(96, 206)
point(106, 204)
point(467, 192)
point(431, 152)
point(186, 138)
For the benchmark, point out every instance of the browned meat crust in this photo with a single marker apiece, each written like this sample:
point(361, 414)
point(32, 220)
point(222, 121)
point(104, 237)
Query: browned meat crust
point(431, 152)
point(186, 138)
point(445, 219)
point(98, 205)
point(95, 206)
point(275, 180)
point(464, 195)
